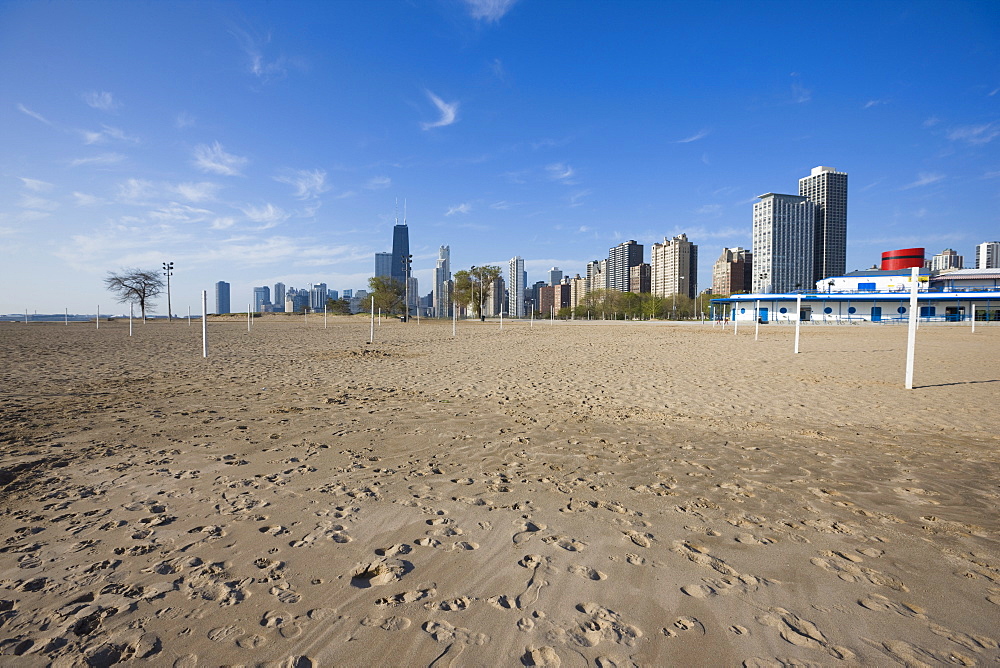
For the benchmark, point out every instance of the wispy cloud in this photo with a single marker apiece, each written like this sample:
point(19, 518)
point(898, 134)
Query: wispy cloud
point(460, 208)
point(448, 112)
point(701, 134)
point(34, 114)
point(709, 210)
point(134, 191)
point(975, 134)
point(308, 184)
point(106, 132)
point(102, 100)
point(267, 216)
point(931, 122)
point(184, 120)
point(215, 159)
point(30, 201)
point(83, 199)
point(561, 172)
point(490, 11)
point(196, 192)
point(502, 205)
point(800, 94)
point(103, 159)
point(35, 185)
point(378, 183)
point(179, 213)
point(576, 199)
point(257, 63)
point(874, 103)
point(924, 179)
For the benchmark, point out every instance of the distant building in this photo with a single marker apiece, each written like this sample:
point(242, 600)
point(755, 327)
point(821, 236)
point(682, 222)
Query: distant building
point(639, 278)
point(441, 306)
point(317, 297)
point(555, 276)
point(296, 301)
point(827, 189)
point(261, 299)
point(946, 259)
point(222, 298)
point(383, 265)
point(731, 273)
point(621, 259)
point(784, 236)
point(552, 298)
point(988, 255)
point(674, 267)
point(597, 275)
point(399, 263)
point(536, 295)
point(577, 290)
point(348, 294)
point(332, 294)
point(496, 292)
point(279, 297)
point(515, 287)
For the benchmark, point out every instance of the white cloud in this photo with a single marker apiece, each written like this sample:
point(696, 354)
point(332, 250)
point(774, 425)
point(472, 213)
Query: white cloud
point(184, 120)
point(378, 183)
point(502, 205)
point(83, 199)
point(461, 208)
point(35, 185)
point(134, 191)
point(800, 94)
point(709, 209)
point(975, 134)
point(308, 184)
point(267, 216)
point(490, 11)
point(196, 192)
point(931, 122)
point(101, 100)
point(103, 159)
point(448, 112)
point(34, 114)
point(179, 213)
point(223, 223)
point(37, 203)
point(106, 132)
point(924, 179)
point(701, 134)
point(215, 159)
point(561, 172)
point(576, 199)
point(259, 65)
point(873, 103)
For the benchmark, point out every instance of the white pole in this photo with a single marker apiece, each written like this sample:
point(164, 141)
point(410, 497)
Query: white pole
point(973, 318)
point(371, 337)
point(501, 318)
point(189, 315)
point(798, 321)
point(454, 317)
point(532, 323)
point(911, 339)
point(25, 316)
point(204, 323)
point(248, 317)
point(379, 313)
point(67, 319)
point(756, 327)
point(98, 318)
point(130, 319)
point(324, 316)
point(736, 319)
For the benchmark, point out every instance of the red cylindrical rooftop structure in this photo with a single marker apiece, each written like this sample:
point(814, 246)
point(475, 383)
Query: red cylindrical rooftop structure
point(902, 259)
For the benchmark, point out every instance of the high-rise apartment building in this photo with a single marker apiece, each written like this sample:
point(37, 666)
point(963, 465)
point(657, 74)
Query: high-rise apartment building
point(222, 298)
point(555, 276)
point(732, 272)
point(621, 259)
point(317, 297)
point(784, 235)
point(441, 296)
point(827, 189)
point(515, 287)
point(383, 265)
point(639, 278)
point(674, 267)
point(988, 255)
point(597, 275)
point(261, 299)
point(279, 297)
point(947, 259)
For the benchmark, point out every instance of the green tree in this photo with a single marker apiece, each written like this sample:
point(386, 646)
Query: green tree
point(472, 286)
point(135, 286)
point(338, 307)
point(389, 294)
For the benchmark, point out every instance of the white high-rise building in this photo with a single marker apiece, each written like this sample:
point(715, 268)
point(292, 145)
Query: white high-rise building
point(621, 259)
point(784, 234)
point(555, 276)
point(279, 297)
point(674, 267)
point(597, 276)
point(947, 259)
point(515, 287)
point(988, 255)
point(827, 189)
point(442, 283)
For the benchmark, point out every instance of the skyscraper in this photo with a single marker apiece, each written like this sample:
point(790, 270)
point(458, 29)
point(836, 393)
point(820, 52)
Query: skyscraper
point(827, 189)
point(442, 284)
point(317, 297)
point(597, 275)
point(279, 297)
point(784, 234)
point(383, 265)
point(515, 287)
point(988, 255)
point(222, 298)
point(947, 259)
point(555, 276)
point(400, 252)
point(261, 298)
point(732, 272)
point(621, 259)
point(674, 267)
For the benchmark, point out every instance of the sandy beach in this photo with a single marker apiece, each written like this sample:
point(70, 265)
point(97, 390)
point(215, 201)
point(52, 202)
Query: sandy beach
point(568, 493)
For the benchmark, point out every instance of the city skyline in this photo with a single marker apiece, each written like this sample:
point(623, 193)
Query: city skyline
point(260, 143)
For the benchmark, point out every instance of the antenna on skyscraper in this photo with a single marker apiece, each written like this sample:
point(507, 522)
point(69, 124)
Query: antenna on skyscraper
point(404, 211)
point(397, 211)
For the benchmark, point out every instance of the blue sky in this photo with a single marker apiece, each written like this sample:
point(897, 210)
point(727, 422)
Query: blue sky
point(256, 142)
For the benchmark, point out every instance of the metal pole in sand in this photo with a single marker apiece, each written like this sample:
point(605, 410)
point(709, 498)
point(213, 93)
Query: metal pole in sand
point(501, 319)
point(324, 316)
point(756, 327)
point(454, 317)
point(130, 319)
point(248, 317)
point(911, 339)
point(98, 318)
point(736, 319)
point(798, 321)
point(973, 318)
point(379, 313)
point(204, 323)
point(25, 316)
point(67, 318)
point(371, 337)
point(189, 315)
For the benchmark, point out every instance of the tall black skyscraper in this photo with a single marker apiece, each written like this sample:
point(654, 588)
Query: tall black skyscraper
point(400, 251)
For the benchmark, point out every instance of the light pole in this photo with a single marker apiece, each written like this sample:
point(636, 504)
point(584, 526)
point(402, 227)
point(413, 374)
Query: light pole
point(407, 259)
point(678, 287)
point(168, 269)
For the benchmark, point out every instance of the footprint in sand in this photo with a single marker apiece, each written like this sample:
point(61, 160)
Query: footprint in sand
point(379, 572)
point(586, 572)
point(528, 529)
point(640, 539)
point(698, 591)
point(565, 542)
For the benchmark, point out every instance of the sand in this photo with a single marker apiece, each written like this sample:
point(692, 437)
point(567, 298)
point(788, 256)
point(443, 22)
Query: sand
point(605, 494)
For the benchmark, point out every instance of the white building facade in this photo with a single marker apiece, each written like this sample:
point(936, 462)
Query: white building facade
point(515, 287)
point(674, 267)
point(441, 307)
point(827, 189)
point(988, 255)
point(784, 235)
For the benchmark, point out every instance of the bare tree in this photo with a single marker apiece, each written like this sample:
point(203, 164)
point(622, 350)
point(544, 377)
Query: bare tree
point(135, 286)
